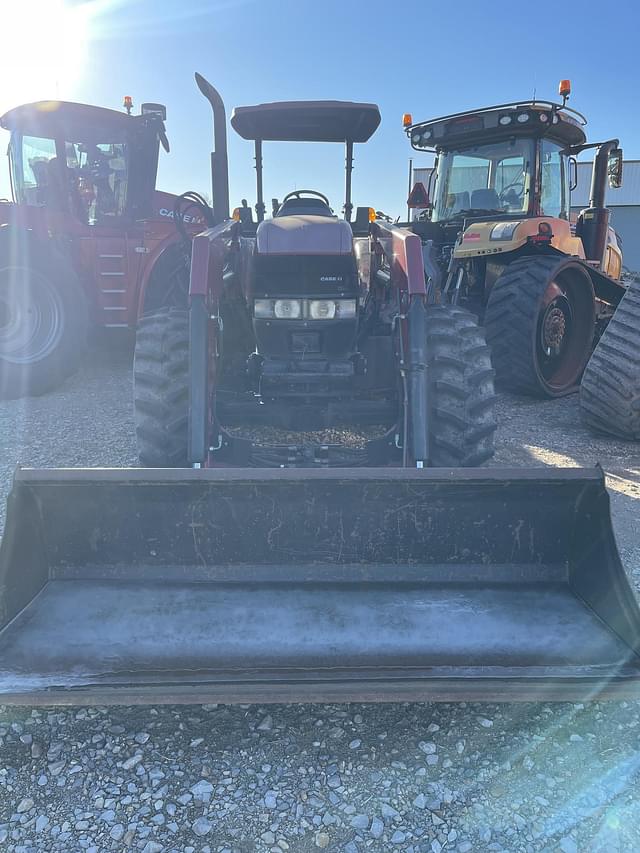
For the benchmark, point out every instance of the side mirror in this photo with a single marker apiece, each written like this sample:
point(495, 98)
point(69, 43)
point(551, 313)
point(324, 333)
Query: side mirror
point(614, 168)
point(573, 173)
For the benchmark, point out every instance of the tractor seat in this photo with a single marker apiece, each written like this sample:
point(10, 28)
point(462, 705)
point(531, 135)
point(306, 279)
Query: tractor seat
point(485, 200)
point(304, 207)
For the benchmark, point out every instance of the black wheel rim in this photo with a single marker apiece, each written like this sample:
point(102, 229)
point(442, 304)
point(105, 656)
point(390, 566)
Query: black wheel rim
point(31, 317)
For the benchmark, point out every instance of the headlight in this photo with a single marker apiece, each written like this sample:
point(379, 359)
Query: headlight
point(346, 309)
point(298, 309)
point(287, 309)
point(322, 309)
point(263, 309)
point(523, 118)
point(504, 120)
point(503, 230)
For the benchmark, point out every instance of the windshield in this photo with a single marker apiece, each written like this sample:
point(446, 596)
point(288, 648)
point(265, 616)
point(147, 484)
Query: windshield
point(487, 178)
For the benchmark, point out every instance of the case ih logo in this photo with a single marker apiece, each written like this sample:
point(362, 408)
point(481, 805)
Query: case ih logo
point(331, 278)
point(186, 218)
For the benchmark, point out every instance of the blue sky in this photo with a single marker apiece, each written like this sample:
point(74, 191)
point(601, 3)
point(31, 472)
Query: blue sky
point(426, 58)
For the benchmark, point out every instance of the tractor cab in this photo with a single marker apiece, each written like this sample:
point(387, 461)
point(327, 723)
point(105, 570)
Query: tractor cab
point(512, 160)
point(96, 165)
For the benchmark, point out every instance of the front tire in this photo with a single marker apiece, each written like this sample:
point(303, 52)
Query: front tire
point(540, 324)
point(460, 396)
point(43, 322)
point(161, 388)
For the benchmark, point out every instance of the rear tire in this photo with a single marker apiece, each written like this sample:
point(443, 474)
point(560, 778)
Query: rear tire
point(461, 398)
point(43, 320)
point(161, 388)
point(540, 323)
point(610, 390)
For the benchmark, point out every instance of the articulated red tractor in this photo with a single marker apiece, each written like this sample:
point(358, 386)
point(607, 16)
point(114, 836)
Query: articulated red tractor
point(85, 237)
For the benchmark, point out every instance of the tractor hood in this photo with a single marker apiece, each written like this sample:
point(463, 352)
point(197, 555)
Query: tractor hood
point(304, 235)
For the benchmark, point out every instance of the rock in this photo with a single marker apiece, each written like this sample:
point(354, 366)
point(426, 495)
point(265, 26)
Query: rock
point(427, 747)
point(398, 837)
point(25, 805)
point(568, 845)
point(42, 822)
point(202, 790)
point(420, 801)
point(132, 762)
point(334, 781)
point(152, 847)
point(117, 832)
point(377, 827)
point(355, 743)
point(268, 837)
point(270, 800)
point(322, 840)
point(202, 826)
point(485, 723)
point(42, 780)
point(266, 724)
point(196, 742)
point(433, 727)
point(184, 799)
point(360, 821)
point(465, 847)
point(575, 738)
point(436, 846)
point(388, 812)
point(142, 738)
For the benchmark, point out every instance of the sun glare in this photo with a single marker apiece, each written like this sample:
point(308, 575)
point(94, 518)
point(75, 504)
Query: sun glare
point(43, 50)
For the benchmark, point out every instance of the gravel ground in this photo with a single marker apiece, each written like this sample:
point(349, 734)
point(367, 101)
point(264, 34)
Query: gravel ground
point(406, 777)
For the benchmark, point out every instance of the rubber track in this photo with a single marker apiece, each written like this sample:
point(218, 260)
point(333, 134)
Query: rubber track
point(610, 390)
point(461, 395)
point(161, 388)
point(511, 320)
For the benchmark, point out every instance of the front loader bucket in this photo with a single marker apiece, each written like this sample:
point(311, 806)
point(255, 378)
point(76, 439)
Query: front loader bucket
point(288, 585)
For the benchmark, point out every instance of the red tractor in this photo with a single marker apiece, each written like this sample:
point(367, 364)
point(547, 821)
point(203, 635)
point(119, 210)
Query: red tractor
point(85, 239)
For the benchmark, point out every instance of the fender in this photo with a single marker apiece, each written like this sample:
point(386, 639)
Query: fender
point(172, 238)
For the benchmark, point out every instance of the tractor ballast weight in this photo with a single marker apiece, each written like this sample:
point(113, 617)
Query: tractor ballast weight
point(143, 586)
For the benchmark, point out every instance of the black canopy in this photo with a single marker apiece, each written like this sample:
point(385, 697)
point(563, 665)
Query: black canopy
point(307, 121)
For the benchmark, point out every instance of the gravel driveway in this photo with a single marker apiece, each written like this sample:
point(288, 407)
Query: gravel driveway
point(406, 777)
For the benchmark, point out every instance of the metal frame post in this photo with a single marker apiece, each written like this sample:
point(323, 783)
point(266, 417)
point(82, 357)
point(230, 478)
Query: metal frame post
point(260, 207)
point(348, 206)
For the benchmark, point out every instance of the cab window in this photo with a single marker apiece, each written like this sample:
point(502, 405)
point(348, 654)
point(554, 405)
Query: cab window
point(553, 195)
point(38, 174)
point(99, 177)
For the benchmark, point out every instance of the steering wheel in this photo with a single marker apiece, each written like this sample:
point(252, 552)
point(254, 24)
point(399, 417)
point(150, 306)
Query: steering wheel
point(516, 187)
point(299, 193)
